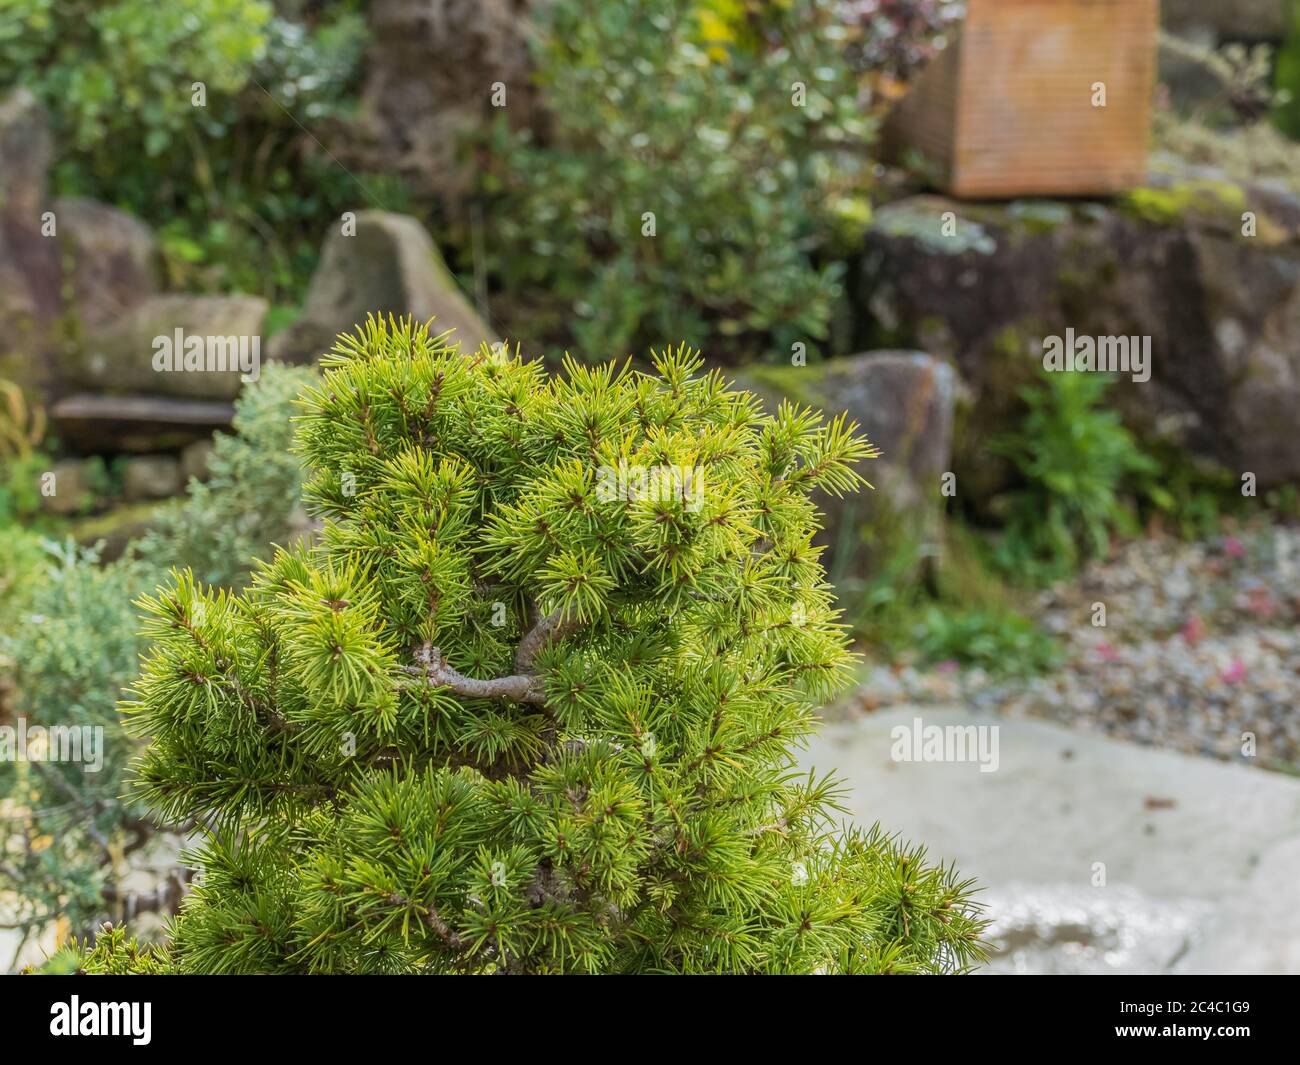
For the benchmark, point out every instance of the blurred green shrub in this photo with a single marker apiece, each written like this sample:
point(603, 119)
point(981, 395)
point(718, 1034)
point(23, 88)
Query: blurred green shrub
point(22, 560)
point(1190, 496)
point(999, 641)
point(22, 431)
point(1077, 463)
point(70, 650)
point(122, 72)
point(240, 191)
point(955, 607)
point(1286, 113)
point(732, 131)
point(252, 496)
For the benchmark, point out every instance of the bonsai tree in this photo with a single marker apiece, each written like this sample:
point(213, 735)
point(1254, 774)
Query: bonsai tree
point(529, 703)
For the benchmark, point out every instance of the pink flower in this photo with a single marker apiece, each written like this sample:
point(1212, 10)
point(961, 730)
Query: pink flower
point(1194, 630)
point(1106, 652)
point(1235, 673)
point(1233, 547)
point(948, 665)
point(1260, 603)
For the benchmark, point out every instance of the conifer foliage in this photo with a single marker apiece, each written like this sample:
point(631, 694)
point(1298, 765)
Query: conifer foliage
point(500, 718)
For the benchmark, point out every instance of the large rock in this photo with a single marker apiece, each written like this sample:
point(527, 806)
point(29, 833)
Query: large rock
point(29, 258)
point(151, 477)
point(111, 261)
point(120, 357)
point(1170, 263)
point(388, 266)
point(430, 74)
point(71, 486)
point(903, 402)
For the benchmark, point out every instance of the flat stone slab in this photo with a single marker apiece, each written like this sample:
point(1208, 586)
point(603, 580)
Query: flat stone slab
point(1186, 843)
point(137, 423)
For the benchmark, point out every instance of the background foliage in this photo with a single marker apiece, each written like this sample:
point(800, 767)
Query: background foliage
point(685, 110)
point(240, 192)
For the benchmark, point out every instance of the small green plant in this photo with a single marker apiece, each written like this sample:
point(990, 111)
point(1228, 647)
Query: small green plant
point(1077, 463)
point(953, 608)
point(22, 559)
point(1189, 496)
point(512, 714)
point(22, 431)
point(695, 161)
point(999, 641)
point(22, 424)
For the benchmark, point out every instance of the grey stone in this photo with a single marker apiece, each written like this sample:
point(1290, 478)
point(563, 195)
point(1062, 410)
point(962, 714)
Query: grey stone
point(1170, 263)
point(388, 266)
point(151, 477)
point(70, 488)
point(194, 460)
point(1180, 837)
point(429, 79)
point(29, 259)
point(120, 358)
point(111, 261)
point(137, 423)
point(903, 403)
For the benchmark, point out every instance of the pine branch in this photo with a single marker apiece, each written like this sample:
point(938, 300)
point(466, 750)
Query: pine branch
point(547, 631)
point(523, 686)
point(433, 668)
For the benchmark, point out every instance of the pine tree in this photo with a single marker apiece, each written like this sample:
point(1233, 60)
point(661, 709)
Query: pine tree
point(529, 703)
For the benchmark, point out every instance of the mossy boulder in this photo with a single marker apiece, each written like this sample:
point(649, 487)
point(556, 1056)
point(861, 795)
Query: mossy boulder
point(904, 402)
point(1206, 268)
point(30, 279)
point(388, 265)
point(111, 261)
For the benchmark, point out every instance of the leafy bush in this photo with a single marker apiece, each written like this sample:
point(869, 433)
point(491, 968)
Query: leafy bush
point(685, 111)
point(69, 646)
point(124, 70)
point(238, 189)
point(1076, 461)
point(70, 651)
point(252, 498)
point(621, 796)
point(22, 559)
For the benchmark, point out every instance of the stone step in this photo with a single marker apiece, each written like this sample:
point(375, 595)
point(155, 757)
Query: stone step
point(1193, 850)
point(137, 423)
